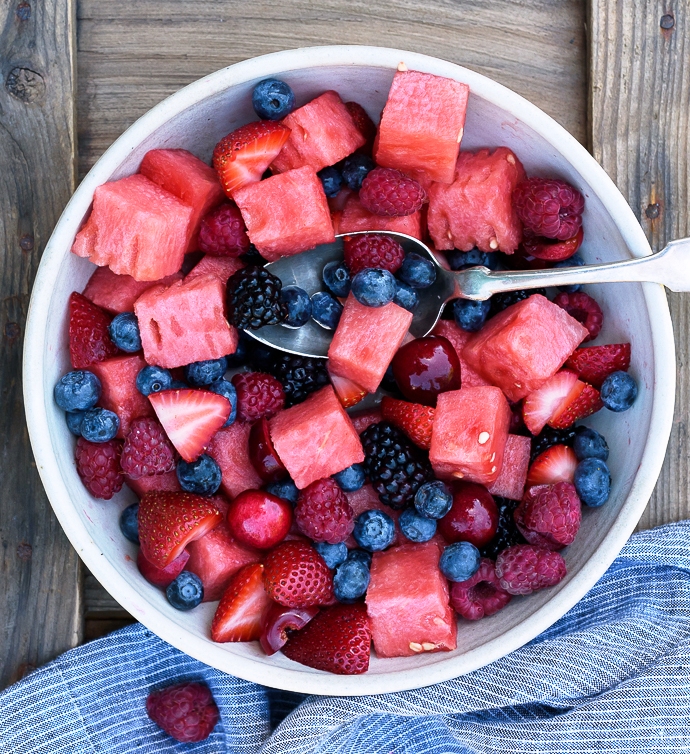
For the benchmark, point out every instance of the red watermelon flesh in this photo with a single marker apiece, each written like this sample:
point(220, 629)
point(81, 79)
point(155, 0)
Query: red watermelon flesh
point(469, 434)
point(477, 208)
point(220, 267)
point(354, 217)
point(365, 418)
point(230, 449)
point(286, 213)
point(136, 228)
point(522, 347)
point(511, 481)
point(407, 602)
point(358, 351)
point(167, 482)
point(315, 439)
point(117, 293)
point(322, 133)
point(458, 338)
point(422, 125)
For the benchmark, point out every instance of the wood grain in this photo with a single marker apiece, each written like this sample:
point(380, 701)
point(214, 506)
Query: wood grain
point(40, 599)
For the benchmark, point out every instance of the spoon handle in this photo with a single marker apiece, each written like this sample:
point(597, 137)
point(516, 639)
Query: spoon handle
point(670, 267)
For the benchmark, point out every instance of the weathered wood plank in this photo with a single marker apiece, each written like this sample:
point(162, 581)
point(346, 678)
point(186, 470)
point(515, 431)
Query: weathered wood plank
point(40, 599)
point(640, 92)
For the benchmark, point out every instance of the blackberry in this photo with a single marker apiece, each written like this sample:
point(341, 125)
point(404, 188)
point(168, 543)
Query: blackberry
point(549, 436)
point(396, 467)
point(501, 301)
point(507, 533)
point(300, 376)
point(254, 299)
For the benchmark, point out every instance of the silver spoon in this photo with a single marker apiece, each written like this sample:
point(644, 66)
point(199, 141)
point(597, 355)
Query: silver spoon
point(670, 267)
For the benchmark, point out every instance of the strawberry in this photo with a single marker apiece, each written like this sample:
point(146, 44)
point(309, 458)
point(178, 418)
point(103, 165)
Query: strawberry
point(337, 640)
point(190, 418)
point(583, 400)
point(295, 575)
point(89, 339)
point(244, 601)
point(169, 521)
point(542, 404)
point(596, 363)
point(348, 392)
point(555, 464)
point(242, 156)
point(413, 419)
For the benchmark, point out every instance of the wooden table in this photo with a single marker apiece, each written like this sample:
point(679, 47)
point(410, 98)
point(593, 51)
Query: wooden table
point(75, 75)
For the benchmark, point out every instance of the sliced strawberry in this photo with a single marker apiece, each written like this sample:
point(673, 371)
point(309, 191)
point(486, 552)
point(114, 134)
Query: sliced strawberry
point(190, 418)
point(583, 400)
point(244, 601)
point(169, 521)
point(349, 393)
point(89, 339)
point(596, 363)
point(242, 156)
point(413, 419)
point(556, 464)
point(542, 404)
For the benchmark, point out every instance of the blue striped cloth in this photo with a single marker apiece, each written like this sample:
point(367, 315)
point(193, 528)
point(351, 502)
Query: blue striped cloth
point(613, 675)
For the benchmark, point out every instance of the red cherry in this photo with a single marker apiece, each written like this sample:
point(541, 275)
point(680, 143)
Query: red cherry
point(162, 576)
point(259, 519)
point(278, 620)
point(425, 367)
point(262, 454)
point(473, 517)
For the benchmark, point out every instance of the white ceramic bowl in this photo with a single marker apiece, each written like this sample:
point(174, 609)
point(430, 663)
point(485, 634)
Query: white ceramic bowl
point(196, 118)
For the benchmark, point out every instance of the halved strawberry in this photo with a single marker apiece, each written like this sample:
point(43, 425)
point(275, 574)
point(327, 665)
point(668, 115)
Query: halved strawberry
point(244, 601)
point(583, 400)
point(190, 418)
point(242, 156)
point(89, 339)
point(349, 393)
point(413, 419)
point(169, 521)
point(555, 464)
point(596, 363)
point(542, 404)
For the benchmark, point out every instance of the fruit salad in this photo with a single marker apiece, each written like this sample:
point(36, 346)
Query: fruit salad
point(387, 494)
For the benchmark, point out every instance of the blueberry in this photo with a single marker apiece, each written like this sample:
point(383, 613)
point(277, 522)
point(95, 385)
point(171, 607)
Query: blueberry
point(244, 345)
point(461, 260)
point(326, 310)
point(356, 167)
point(373, 287)
point(287, 490)
point(590, 444)
point(273, 99)
point(186, 592)
point(201, 477)
point(129, 523)
point(415, 527)
point(374, 530)
point(592, 481)
point(433, 500)
point(362, 555)
point(470, 315)
point(417, 271)
point(74, 420)
point(405, 296)
point(227, 390)
point(153, 380)
point(336, 277)
point(178, 385)
point(124, 332)
point(350, 581)
point(298, 305)
point(459, 561)
point(77, 391)
point(618, 391)
point(334, 555)
point(575, 261)
point(331, 180)
point(352, 478)
point(99, 425)
point(201, 373)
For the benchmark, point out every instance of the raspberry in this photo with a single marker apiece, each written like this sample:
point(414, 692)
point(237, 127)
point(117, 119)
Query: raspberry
point(378, 251)
point(222, 232)
point(323, 512)
point(584, 309)
point(98, 466)
point(295, 575)
point(258, 395)
point(147, 450)
point(523, 569)
point(549, 207)
point(549, 515)
point(185, 711)
point(389, 192)
point(479, 596)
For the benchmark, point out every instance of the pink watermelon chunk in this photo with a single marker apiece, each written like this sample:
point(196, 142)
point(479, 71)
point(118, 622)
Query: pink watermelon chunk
point(117, 293)
point(407, 602)
point(136, 228)
point(220, 267)
point(286, 213)
point(469, 434)
point(354, 217)
point(322, 133)
point(230, 449)
point(358, 351)
point(477, 208)
point(315, 439)
point(185, 322)
point(511, 481)
point(422, 125)
point(458, 338)
point(520, 348)
point(167, 482)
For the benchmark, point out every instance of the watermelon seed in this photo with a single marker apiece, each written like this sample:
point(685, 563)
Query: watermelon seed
point(415, 647)
point(483, 437)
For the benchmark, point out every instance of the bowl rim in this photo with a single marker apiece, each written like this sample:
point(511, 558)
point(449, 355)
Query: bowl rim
point(305, 679)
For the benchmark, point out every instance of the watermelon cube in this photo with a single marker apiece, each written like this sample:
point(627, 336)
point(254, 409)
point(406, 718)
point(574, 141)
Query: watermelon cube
point(189, 179)
point(118, 378)
point(230, 450)
point(136, 228)
point(322, 133)
point(522, 347)
point(469, 434)
point(510, 482)
point(185, 322)
point(422, 125)
point(221, 267)
point(117, 293)
point(354, 217)
point(477, 208)
point(315, 439)
point(358, 351)
point(408, 604)
point(286, 213)
point(458, 338)
point(167, 482)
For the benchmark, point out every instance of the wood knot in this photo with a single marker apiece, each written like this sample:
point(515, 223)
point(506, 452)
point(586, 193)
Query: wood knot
point(24, 551)
point(11, 331)
point(667, 22)
point(23, 11)
point(26, 242)
point(652, 211)
point(26, 85)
